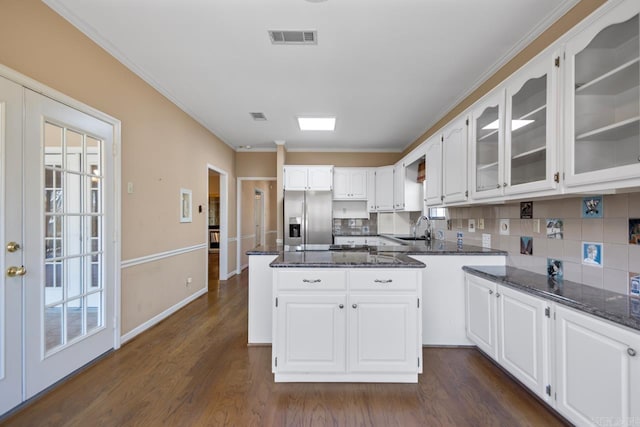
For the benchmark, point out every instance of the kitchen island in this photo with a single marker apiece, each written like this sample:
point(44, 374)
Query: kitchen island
point(346, 316)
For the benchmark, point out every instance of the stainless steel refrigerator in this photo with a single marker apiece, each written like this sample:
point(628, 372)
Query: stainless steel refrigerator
point(307, 219)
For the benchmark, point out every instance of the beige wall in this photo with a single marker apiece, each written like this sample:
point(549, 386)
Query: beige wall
point(256, 164)
point(163, 150)
point(342, 159)
point(557, 29)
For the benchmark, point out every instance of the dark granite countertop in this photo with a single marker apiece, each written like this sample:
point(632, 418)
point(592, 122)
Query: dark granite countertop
point(353, 234)
point(612, 306)
point(434, 247)
point(344, 259)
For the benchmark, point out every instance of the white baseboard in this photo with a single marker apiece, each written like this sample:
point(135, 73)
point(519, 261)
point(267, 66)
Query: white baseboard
point(156, 319)
point(231, 274)
point(242, 267)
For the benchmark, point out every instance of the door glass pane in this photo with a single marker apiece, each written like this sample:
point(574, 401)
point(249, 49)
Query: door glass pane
point(94, 311)
point(74, 151)
point(528, 129)
point(74, 318)
point(73, 235)
point(74, 279)
point(487, 150)
point(607, 88)
point(53, 326)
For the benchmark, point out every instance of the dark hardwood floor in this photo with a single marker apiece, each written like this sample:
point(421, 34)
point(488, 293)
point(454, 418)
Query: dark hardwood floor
point(195, 369)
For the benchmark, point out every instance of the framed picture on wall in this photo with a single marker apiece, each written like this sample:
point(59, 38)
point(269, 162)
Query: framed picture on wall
point(185, 205)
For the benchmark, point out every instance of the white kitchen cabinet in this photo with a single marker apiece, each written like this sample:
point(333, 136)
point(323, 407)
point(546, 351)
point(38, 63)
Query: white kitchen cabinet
point(597, 370)
point(481, 314)
point(347, 325)
point(433, 166)
point(398, 186)
point(531, 132)
point(455, 144)
point(408, 192)
point(383, 330)
point(311, 333)
point(487, 146)
point(350, 183)
point(371, 190)
point(512, 328)
point(316, 178)
point(602, 95)
point(443, 296)
point(384, 189)
point(523, 338)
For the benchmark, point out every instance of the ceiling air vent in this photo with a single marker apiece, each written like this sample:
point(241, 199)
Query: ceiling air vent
point(258, 116)
point(293, 37)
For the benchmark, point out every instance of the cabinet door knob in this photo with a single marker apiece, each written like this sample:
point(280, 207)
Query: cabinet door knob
point(504, 184)
point(490, 292)
point(631, 352)
point(341, 306)
point(497, 185)
point(355, 306)
point(498, 295)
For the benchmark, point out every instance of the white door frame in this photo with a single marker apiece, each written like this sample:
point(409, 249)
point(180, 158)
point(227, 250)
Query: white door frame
point(239, 214)
point(224, 215)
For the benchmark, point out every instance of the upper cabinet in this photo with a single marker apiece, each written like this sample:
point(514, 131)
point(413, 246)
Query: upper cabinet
point(602, 111)
point(300, 178)
point(408, 179)
point(350, 183)
point(530, 127)
point(384, 188)
point(455, 143)
point(487, 146)
point(433, 165)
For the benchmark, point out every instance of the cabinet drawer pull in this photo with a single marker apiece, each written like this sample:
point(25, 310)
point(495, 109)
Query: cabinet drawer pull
point(311, 280)
point(631, 352)
point(341, 306)
point(355, 306)
point(383, 281)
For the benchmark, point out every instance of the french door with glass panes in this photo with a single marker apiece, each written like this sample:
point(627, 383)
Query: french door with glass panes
point(59, 277)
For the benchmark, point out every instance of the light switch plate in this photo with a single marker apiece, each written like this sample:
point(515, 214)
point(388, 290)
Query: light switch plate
point(480, 223)
point(472, 226)
point(536, 225)
point(486, 240)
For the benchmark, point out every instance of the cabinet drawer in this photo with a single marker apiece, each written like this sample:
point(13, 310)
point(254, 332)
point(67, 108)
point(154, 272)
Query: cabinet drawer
point(382, 280)
point(319, 279)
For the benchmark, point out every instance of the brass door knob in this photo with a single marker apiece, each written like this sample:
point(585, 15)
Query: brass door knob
point(16, 271)
point(12, 246)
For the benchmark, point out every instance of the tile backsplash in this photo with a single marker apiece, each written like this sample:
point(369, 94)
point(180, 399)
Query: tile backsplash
point(356, 226)
point(610, 233)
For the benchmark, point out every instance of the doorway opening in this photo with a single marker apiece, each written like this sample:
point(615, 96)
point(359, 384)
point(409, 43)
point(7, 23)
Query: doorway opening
point(213, 230)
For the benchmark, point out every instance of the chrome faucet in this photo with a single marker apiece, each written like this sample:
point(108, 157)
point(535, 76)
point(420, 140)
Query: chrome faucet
point(427, 234)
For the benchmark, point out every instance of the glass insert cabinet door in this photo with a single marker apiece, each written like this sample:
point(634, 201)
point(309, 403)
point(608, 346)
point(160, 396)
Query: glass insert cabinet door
point(530, 137)
point(488, 134)
point(603, 89)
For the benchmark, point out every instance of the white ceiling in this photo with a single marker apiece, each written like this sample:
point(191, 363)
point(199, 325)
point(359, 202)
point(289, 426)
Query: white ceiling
point(387, 69)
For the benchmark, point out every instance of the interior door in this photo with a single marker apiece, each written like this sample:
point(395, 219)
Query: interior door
point(69, 288)
point(12, 255)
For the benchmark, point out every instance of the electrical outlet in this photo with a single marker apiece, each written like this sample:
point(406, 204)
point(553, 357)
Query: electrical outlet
point(130, 187)
point(481, 224)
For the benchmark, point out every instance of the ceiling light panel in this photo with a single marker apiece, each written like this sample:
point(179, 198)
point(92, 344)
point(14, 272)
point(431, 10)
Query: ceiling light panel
point(317, 123)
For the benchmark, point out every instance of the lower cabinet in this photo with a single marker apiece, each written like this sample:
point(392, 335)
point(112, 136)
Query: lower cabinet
point(382, 331)
point(363, 325)
point(597, 370)
point(512, 328)
point(311, 334)
point(595, 363)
